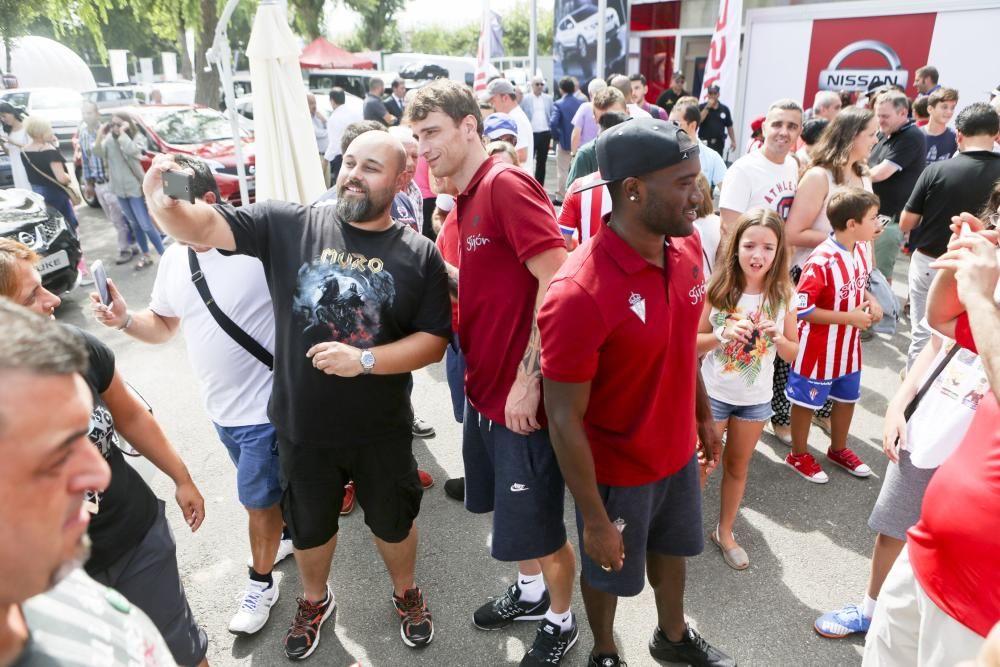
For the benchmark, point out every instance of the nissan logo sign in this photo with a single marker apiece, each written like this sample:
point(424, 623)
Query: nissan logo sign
point(835, 78)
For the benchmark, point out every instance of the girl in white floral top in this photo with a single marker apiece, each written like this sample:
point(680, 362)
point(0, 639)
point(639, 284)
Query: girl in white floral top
point(746, 323)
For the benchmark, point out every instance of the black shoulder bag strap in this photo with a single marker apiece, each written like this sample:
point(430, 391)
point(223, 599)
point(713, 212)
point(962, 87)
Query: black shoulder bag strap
point(912, 407)
point(234, 331)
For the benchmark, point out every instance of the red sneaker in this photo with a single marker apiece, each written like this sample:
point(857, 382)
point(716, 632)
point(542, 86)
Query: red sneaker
point(426, 480)
point(348, 505)
point(849, 461)
point(806, 465)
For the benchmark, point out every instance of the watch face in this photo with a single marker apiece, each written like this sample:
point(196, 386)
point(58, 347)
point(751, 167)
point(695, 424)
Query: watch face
point(367, 359)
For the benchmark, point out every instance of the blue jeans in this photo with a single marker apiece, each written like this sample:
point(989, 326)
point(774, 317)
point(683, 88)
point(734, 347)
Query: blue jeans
point(254, 450)
point(137, 215)
point(57, 198)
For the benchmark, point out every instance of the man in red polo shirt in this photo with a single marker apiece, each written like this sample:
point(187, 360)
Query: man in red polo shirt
point(510, 248)
point(942, 595)
point(622, 389)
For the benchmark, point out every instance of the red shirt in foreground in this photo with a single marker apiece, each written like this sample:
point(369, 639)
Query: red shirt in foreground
point(629, 327)
point(447, 243)
point(955, 546)
point(504, 219)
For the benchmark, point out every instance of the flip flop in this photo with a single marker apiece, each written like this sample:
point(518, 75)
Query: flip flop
point(736, 557)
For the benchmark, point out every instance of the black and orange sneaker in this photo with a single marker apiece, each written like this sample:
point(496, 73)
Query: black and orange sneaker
point(303, 637)
point(415, 624)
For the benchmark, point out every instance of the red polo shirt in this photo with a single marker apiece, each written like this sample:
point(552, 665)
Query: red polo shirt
point(629, 328)
point(504, 219)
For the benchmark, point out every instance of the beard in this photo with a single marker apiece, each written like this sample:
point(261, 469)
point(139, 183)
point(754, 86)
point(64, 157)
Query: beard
point(361, 209)
point(79, 557)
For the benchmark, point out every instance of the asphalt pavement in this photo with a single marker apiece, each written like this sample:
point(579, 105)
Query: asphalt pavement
point(808, 544)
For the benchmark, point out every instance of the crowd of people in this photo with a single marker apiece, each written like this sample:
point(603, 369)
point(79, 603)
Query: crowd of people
point(627, 349)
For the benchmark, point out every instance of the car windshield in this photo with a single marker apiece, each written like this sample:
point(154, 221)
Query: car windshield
point(54, 99)
point(17, 99)
point(192, 126)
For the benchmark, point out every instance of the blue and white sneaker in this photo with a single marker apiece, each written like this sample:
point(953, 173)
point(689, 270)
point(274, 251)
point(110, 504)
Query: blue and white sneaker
point(843, 622)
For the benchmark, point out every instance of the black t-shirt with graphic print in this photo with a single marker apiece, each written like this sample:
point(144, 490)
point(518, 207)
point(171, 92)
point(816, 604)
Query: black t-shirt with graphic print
point(331, 281)
point(127, 509)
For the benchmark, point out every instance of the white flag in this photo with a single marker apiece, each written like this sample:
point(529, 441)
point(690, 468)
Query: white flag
point(483, 54)
point(722, 66)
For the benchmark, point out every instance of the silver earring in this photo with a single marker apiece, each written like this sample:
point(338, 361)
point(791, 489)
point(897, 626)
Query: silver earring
point(632, 197)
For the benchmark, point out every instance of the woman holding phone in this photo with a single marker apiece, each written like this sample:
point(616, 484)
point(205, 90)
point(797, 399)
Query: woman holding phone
point(121, 144)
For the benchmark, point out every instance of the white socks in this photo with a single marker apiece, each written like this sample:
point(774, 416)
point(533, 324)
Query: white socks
point(868, 607)
point(563, 620)
point(532, 586)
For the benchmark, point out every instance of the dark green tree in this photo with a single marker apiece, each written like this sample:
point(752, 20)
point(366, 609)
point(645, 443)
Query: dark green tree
point(307, 17)
point(378, 30)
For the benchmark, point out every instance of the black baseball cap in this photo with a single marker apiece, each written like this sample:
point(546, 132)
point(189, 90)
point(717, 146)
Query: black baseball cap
point(641, 146)
point(713, 88)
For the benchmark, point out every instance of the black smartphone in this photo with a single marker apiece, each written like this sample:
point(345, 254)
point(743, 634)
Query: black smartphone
point(177, 184)
point(100, 277)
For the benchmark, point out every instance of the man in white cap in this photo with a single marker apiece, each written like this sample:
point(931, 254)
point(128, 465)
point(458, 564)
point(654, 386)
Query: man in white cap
point(502, 96)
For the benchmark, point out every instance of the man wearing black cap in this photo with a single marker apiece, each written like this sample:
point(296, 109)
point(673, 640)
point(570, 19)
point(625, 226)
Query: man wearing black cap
point(716, 122)
point(668, 98)
point(625, 400)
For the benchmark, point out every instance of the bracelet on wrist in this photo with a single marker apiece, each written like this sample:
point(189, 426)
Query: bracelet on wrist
point(128, 322)
point(720, 334)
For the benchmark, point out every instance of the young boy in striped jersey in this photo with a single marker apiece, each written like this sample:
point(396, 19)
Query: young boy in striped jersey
point(834, 307)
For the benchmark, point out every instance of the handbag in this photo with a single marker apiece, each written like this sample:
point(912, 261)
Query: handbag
point(882, 291)
point(71, 192)
point(241, 337)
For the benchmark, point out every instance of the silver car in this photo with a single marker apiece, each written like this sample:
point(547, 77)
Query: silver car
point(60, 106)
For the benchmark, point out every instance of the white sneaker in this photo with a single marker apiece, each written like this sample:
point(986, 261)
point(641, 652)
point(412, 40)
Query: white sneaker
point(285, 550)
point(255, 608)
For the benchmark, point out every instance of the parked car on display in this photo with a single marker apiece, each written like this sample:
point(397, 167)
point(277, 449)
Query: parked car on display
point(24, 217)
point(113, 96)
point(577, 34)
point(193, 130)
point(60, 106)
point(244, 105)
point(353, 81)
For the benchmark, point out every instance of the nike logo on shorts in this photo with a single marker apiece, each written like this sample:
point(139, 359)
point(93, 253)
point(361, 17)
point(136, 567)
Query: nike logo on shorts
point(518, 487)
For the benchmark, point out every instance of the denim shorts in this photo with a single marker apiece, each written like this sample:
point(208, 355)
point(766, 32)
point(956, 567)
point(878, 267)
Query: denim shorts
point(809, 393)
point(254, 450)
point(722, 411)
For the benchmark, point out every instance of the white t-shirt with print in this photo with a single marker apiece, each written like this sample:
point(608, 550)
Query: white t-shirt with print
point(743, 373)
point(946, 410)
point(754, 181)
point(235, 386)
point(525, 136)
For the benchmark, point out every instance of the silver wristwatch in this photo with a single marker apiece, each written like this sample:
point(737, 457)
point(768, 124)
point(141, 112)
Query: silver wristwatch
point(367, 361)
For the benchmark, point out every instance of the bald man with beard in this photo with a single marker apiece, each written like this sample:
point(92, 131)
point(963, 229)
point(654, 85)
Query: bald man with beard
point(340, 403)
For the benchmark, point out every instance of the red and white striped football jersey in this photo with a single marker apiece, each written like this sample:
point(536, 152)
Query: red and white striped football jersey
point(583, 212)
point(832, 279)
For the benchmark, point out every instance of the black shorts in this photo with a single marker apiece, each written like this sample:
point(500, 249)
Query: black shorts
point(517, 478)
point(313, 478)
point(662, 517)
